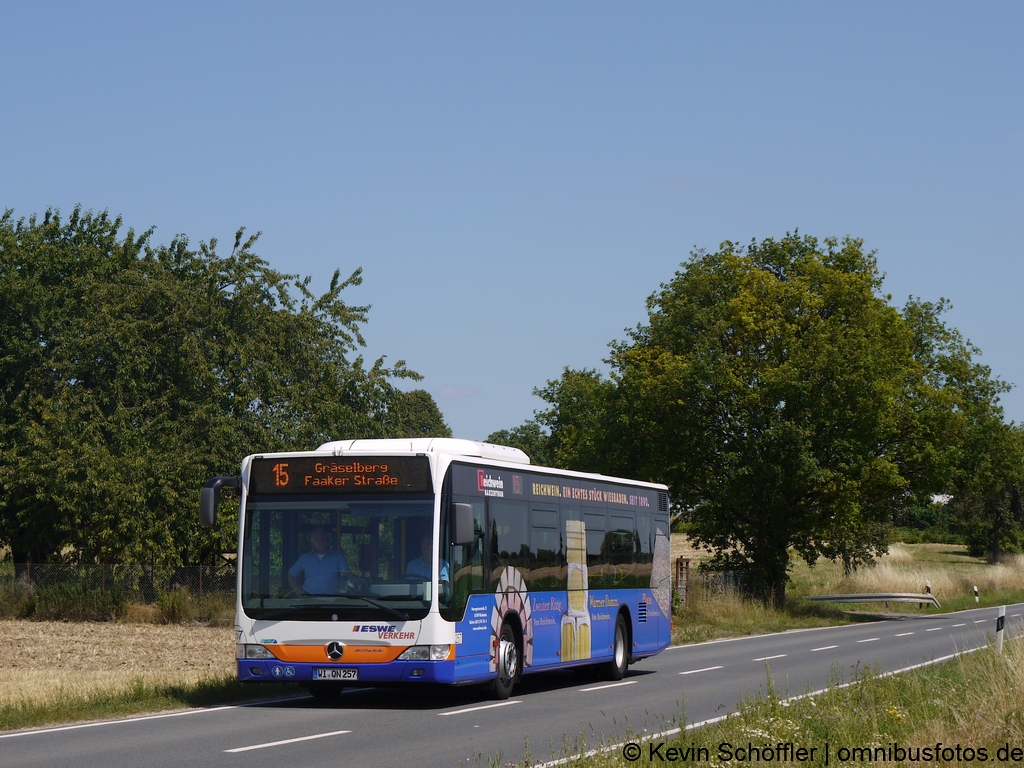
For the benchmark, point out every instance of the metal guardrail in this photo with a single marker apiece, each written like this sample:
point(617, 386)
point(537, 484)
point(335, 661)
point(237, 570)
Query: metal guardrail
point(877, 597)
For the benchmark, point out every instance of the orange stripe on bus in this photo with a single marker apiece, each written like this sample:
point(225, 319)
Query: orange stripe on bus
point(354, 654)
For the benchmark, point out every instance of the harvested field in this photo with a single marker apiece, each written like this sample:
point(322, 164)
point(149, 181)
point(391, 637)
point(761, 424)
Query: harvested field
point(44, 662)
point(683, 547)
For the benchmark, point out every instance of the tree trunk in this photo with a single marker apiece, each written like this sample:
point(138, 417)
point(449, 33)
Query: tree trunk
point(22, 564)
point(769, 575)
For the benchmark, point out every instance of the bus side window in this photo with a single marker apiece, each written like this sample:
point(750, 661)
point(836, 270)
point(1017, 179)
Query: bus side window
point(598, 573)
point(510, 538)
point(644, 547)
point(619, 550)
point(547, 550)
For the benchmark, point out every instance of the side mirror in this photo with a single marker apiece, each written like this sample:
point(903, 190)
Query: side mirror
point(211, 495)
point(464, 530)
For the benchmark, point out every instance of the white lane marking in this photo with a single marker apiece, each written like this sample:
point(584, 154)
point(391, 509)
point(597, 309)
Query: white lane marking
point(959, 625)
point(476, 709)
point(839, 627)
point(904, 634)
point(287, 741)
point(609, 685)
point(824, 648)
point(868, 640)
point(118, 722)
point(705, 669)
point(933, 629)
point(980, 621)
point(769, 658)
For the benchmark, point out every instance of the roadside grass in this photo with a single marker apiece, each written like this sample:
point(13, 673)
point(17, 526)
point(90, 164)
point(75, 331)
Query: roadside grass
point(970, 703)
point(73, 702)
point(730, 615)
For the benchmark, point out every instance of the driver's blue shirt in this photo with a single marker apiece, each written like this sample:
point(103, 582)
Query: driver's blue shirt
point(418, 569)
point(321, 575)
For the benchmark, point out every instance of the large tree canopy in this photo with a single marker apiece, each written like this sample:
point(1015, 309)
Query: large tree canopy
point(131, 373)
point(782, 397)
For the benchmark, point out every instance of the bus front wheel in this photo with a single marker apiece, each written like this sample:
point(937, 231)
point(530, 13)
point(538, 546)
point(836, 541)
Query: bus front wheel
point(508, 663)
point(616, 668)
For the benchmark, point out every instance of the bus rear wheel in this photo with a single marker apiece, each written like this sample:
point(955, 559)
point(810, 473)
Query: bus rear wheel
point(616, 668)
point(508, 663)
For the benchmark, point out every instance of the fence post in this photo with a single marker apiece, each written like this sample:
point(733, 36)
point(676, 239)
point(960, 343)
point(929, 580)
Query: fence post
point(1000, 622)
point(200, 579)
point(683, 578)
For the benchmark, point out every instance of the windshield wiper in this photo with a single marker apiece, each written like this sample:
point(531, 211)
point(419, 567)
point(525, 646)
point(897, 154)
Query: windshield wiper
point(329, 607)
point(386, 608)
point(273, 614)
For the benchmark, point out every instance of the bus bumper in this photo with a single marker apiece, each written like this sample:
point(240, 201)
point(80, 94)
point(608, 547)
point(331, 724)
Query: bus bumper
point(251, 671)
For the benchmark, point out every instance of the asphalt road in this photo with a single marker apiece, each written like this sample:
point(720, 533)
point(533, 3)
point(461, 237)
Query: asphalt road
point(550, 714)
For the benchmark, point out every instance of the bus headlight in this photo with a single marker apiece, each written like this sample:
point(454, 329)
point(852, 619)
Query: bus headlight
point(244, 651)
point(425, 653)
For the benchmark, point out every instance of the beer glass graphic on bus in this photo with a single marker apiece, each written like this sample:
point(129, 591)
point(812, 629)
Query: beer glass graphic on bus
point(576, 621)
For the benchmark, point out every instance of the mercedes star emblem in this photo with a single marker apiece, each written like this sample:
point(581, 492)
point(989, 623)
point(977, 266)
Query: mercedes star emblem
point(335, 650)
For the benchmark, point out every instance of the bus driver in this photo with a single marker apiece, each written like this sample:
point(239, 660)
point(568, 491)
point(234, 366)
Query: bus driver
point(320, 570)
point(419, 569)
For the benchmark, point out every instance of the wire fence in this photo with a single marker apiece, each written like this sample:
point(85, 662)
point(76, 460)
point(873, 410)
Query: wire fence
point(141, 583)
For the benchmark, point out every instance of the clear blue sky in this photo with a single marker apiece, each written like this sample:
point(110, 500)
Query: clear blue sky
point(516, 179)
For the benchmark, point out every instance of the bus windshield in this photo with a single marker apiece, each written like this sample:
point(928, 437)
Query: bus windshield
point(337, 558)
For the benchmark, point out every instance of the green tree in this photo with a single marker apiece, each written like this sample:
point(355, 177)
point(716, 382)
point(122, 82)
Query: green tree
point(779, 394)
point(132, 372)
point(983, 459)
point(415, 414)
point(529, 437)
point(989, 497)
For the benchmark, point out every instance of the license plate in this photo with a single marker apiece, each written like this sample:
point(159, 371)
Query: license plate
point(334, 673)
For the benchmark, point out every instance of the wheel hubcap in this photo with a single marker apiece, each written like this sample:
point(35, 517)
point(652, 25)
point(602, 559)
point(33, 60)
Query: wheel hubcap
point(509, 661)
point(620, 648)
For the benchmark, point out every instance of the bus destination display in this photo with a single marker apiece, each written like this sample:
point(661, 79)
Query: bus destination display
point(340, 474)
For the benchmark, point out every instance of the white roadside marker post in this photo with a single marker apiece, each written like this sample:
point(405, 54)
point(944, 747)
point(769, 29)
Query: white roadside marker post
point(975, 593)
point(1000, 622)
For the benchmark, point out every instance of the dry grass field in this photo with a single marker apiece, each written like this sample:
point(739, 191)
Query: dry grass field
point(47, 662)
point(681, 546)
point(907, 567)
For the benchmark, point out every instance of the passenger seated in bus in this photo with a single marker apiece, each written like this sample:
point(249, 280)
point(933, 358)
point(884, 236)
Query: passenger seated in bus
point(320, 571)
point(419, 569)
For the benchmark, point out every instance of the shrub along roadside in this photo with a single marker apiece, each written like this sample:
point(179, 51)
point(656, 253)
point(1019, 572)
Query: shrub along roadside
point(75, 602)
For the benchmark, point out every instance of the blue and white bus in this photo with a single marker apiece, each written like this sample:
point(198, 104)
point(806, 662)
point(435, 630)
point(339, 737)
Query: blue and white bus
point(435, 560)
